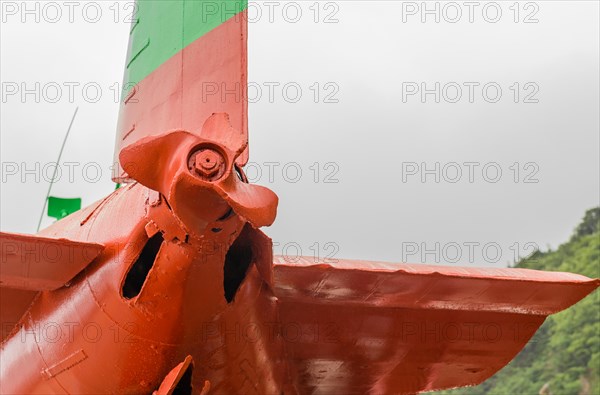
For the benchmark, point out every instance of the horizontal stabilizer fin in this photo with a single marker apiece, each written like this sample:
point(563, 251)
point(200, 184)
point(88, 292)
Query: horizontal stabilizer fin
point(432, 287)
point(357, 327)
point(35, 263)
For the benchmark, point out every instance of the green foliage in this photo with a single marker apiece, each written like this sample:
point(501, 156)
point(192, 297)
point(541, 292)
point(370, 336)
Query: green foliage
point(590, 223)
point(565, 352)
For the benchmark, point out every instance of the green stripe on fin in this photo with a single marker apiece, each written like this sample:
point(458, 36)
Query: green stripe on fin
point(162, 28)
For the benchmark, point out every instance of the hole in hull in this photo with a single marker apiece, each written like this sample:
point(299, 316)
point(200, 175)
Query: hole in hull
point(228, 214)
point(237, 262)
point(137, 274)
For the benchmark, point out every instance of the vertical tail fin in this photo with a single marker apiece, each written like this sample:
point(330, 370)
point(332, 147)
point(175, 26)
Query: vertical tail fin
point(186, 60)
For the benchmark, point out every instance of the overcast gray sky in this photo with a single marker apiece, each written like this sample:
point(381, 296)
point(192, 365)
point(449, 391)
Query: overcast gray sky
point(518, 92)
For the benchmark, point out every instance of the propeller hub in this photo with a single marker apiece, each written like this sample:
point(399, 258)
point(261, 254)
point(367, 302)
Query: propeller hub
point(197, 173)
point(208, 163)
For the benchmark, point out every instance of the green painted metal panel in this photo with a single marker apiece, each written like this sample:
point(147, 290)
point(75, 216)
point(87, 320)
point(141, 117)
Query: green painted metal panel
point(200, 17)
point(162, 28)
point(60, 207)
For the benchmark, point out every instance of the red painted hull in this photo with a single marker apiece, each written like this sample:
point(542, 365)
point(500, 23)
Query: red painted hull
point(88, 339)
point(350, 327)
point(183, 288)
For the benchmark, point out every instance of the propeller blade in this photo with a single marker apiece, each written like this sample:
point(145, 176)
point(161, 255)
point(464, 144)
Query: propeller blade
point(197, 175)
point(255, 203)
point(154, 161)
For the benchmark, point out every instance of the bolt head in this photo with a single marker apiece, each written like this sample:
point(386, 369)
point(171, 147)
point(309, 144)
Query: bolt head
point(208, 163)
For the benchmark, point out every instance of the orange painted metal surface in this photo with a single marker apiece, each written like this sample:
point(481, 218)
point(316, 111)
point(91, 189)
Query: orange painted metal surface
point(179, 380)
point(203, 168)
point(209, 75)
point(183, 274)
point(41, 263)
point(355, 327)
point(168, 287)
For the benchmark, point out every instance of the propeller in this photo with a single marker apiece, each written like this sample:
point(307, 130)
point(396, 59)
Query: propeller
point(198, 175)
